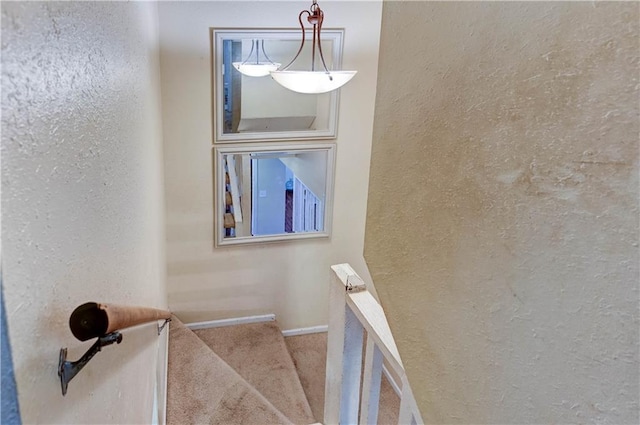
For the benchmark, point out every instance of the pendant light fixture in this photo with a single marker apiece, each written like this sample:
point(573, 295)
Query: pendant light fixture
point(312, 82)
point(256, 68)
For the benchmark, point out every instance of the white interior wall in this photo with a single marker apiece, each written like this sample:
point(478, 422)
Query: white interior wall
point(311, 169)
point(268, 202)
point(286, 278)
point(82, 201)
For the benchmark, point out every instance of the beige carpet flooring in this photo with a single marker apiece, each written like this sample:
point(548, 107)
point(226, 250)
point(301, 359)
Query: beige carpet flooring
point(309, 353)
point(259, 354)
point(250, 374)
point(204, 389)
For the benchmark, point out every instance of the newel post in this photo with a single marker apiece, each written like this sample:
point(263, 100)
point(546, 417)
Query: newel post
point(344, 350)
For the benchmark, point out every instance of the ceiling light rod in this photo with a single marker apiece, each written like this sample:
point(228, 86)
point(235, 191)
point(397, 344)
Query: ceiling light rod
point(315, 18)
point(254, 46)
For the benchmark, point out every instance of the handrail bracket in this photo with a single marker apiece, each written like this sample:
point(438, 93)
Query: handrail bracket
point(161, 327)
point(67, 370)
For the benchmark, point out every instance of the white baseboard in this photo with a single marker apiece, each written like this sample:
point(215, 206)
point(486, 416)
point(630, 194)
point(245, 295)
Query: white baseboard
point(230, 322)
point(254, 319)
point(305, 331)
point(392, 381)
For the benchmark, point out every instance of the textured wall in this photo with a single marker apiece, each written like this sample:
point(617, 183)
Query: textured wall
point(502, 225)
point(290, 279)
point(82, 200)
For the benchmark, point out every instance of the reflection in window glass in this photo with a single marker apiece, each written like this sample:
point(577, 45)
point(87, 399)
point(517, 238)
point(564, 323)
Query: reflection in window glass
point(274, 193)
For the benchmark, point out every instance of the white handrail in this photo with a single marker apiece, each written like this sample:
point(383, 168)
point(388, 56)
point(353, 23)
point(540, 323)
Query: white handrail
point(372, 317)
point(352, 311)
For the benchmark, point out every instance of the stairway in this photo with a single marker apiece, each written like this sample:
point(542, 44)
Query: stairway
point(250, 374)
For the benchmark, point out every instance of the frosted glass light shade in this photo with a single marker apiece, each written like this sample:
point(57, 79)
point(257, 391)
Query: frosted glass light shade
point(259, 69)
point(312, 82)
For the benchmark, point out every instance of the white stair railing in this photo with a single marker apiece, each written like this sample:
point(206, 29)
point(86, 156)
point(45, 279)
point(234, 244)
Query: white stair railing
point(352, 311)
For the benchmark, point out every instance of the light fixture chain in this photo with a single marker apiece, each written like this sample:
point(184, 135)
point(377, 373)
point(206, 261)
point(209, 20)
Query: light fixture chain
point(320, 20)
point(303, 40)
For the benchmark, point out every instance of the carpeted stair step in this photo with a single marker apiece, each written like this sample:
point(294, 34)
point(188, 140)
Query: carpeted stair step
point(259, 354)
point(203, 389)
point(309, 353)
